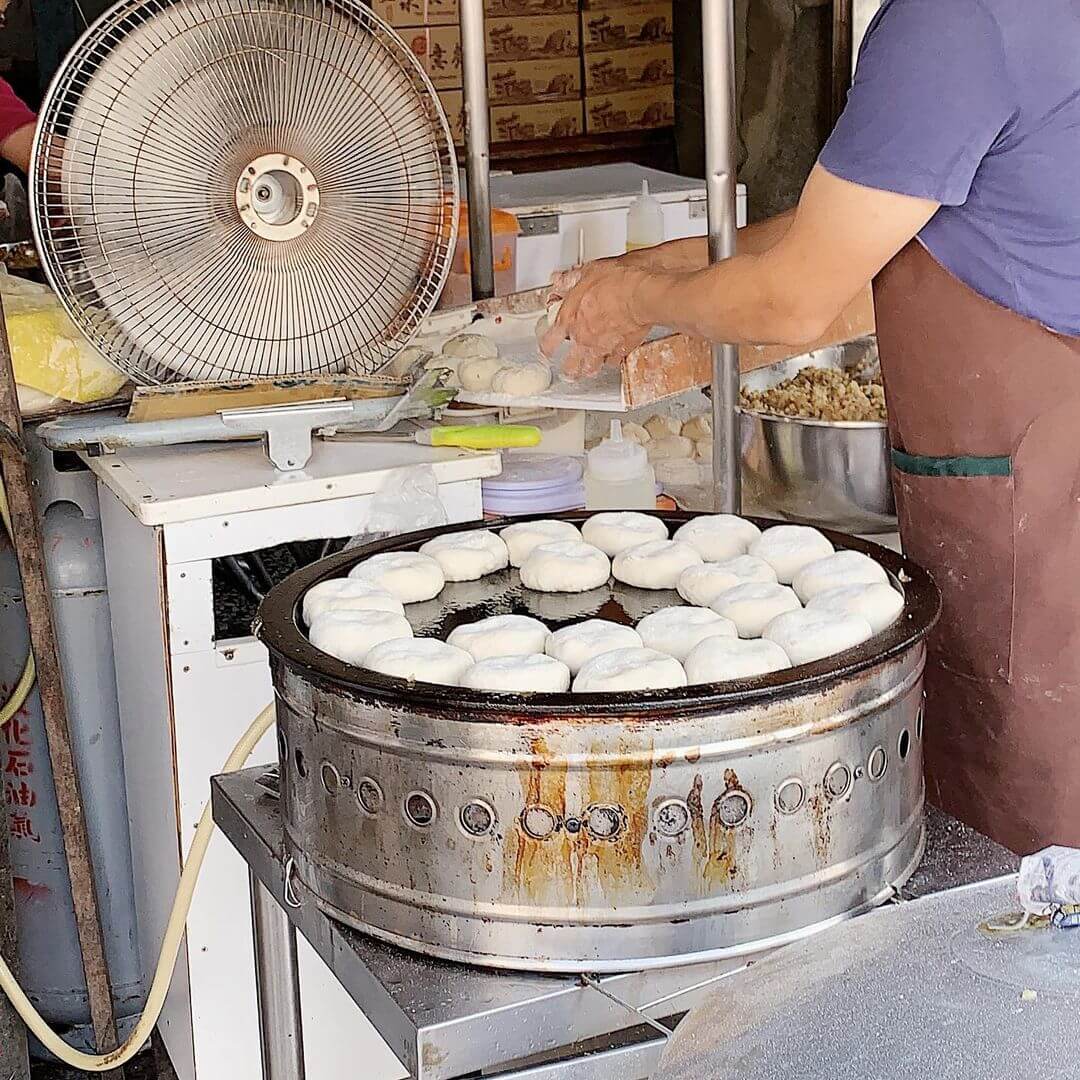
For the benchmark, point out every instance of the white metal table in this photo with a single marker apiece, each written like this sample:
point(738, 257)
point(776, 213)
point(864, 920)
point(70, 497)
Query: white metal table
point(448, 1021)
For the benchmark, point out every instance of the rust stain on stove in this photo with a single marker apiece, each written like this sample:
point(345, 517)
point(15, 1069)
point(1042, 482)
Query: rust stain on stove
point(540, 870)
point(820, 808)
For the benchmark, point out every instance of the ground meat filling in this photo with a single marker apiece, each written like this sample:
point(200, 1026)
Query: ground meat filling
point(819, 394)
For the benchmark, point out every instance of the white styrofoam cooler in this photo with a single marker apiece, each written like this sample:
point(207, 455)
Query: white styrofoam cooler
point(553, 208)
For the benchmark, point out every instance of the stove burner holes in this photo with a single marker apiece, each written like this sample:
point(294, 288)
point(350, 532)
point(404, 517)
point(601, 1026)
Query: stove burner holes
point(733, 808)
point(331, 778)
point(538, 822)
point(877, 763)
point(790, 796)
point(420, 810)
point(604, 821)
point(301, 764)
point(477, 818)
point(838, 781)
point(671, 818)
point(903, 744)
point(369, 795)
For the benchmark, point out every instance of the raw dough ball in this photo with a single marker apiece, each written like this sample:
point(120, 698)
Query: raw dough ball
point(522, 380)
point(403, 362)
point(719, 659)
point(522, 537)
point(750, 568)
point(843, 568)
point(351, 635)
point(618, 530)
point(568, 566)
point(656, 565)
point(812, 635)
point(345, 594)
point(466, 556)
point(704, 585)
point(629, 669)
point(470, 347)
point(519, 675)
point(676, 630)
point(698, 427)
point(681, 473)
point(661, 426)
point(751, 607)
point(880, 605)
point(408, 575)
point(635, 433)
point(477, 374)
point(669, 448)
point(788, 548)
point(500, 635)
point(576, 645)
point(718, 537)
point(420, 659)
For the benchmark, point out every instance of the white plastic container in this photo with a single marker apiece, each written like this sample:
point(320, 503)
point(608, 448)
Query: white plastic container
point(618, 475)
point(645, 221)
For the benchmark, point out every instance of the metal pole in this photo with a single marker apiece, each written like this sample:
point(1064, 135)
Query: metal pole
point(477, 147)
point(718, 78)
point(842, 55)
point(277, 987)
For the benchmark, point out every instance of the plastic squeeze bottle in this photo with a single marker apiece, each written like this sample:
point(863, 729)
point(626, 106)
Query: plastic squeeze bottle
point(645, 221)
point(618, 475)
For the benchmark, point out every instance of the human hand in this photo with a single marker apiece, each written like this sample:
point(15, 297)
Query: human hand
point(598, 317)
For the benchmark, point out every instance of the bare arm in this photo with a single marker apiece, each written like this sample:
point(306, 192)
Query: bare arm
point(841, 235)
point(16, 147)
point(693, 253)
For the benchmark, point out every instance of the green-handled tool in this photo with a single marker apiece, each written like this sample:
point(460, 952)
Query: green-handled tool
point(463, 436)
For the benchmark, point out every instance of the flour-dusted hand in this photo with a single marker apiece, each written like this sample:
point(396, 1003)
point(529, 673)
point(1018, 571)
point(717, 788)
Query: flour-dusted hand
point(597, 317)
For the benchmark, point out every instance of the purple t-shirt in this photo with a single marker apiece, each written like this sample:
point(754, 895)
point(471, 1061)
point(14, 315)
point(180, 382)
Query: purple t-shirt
point(976, 105)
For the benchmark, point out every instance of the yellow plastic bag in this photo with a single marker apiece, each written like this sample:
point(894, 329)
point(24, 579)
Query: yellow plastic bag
point(49, 354)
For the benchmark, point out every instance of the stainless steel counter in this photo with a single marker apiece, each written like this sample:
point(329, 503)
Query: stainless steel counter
point(446, 1020)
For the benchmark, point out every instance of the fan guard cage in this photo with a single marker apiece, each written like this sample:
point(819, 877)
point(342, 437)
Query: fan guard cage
point(239, 189)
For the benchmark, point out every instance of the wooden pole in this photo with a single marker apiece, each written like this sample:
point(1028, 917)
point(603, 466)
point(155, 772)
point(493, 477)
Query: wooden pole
point(30, 553)
point(842, 55)
point(14, 1064)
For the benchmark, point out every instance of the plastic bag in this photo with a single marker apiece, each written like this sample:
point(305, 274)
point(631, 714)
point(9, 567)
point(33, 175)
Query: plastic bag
point(407, 501)
point(1050, 880)
point(51, 358)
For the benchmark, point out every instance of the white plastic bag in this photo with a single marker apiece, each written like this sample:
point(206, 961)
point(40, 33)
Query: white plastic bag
point(1050, 879)
point(407, 501)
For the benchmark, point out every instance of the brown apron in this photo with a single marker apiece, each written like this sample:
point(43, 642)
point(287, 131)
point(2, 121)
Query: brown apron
point(984, 414)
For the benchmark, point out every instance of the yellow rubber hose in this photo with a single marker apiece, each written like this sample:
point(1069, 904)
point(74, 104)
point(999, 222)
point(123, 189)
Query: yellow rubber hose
point(170, 945)
point(24, 685)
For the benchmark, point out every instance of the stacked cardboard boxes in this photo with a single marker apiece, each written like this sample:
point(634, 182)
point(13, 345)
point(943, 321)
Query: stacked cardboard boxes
point(556, 68)
point(629, 65)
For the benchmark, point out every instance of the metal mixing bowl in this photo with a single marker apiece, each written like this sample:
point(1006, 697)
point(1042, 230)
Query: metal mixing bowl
point(830, 474)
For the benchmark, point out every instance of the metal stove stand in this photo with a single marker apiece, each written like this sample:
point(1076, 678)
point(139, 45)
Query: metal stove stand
point(448, 1021)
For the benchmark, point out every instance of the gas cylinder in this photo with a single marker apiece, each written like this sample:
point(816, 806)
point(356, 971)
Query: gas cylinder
point(48, 945)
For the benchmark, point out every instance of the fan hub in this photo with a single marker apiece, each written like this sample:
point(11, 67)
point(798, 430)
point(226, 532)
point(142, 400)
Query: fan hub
point(277, 197)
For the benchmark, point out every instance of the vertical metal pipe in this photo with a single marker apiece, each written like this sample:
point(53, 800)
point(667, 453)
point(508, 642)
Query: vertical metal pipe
point(477, 148)
point(277, 987)
point(718, 78)
point(14, 1064)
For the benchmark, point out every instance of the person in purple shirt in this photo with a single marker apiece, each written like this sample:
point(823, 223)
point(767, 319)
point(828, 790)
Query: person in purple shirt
point(951, 183)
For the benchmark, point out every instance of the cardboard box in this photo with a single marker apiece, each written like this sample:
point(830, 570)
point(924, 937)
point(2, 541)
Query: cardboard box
point(533, 37)
point(629, 69)
point(631, 110)
point(417, 12)
point(524, 82)
point(453, 103)
point(438, 48)
point(551, 120)
point(530, 7)
point(644, 24)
